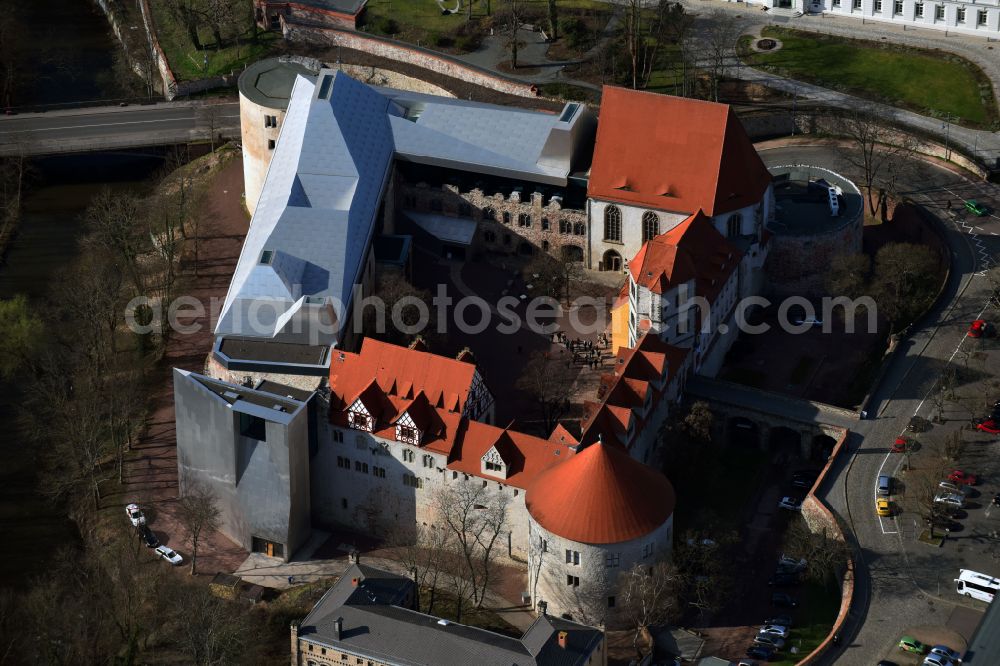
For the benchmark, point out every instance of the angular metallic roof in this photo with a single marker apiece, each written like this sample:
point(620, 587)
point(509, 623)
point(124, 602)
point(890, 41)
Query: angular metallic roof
point(307, 243)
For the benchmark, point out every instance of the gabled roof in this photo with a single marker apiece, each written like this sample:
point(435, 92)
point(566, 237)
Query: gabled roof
point(376, 622)
point(432, 389)
point(693, 250)
point(673, 153)
point(623, 392)
point(601, 496)
point(526, 456)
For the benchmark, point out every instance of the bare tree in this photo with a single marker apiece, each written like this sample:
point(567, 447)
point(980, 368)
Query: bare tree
point(880, 153)
point(646, 30)
point(648, 598)
point(711, 47)
point(198, 513)
point(904, 282)
point(548, 379)
point(476, 517)
point(848, 274)
point(509, 21)
point(826, 556)
point(425, 557)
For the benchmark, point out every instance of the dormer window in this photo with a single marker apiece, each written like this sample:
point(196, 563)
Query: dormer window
point(266, 257)
point(405, 434)
point(493, 464)
point(360, 421)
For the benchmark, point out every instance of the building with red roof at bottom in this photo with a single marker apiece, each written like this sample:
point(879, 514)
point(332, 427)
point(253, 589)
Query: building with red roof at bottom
point(591, 518)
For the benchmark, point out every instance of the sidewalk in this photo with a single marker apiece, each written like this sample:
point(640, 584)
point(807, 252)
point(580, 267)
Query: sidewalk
point(985, 145)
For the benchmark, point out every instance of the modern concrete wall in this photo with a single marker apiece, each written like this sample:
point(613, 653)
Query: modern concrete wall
point(262, 486)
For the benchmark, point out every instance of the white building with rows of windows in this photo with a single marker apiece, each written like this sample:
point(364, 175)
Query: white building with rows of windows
point(970, 17)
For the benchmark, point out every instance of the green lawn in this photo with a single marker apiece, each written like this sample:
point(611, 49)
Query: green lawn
point(422, 22)
point(189, 64)
point(818, 608)
point(929, 82)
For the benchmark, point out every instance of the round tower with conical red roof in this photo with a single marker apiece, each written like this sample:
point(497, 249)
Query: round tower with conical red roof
point(591, 518)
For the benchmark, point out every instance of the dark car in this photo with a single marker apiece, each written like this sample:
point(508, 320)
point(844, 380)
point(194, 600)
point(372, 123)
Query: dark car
point(760, 652)
point(148, 537)
point(780, 620)
point(886, 662)
point(784, 600)
point(805, 478)
point(783, 579)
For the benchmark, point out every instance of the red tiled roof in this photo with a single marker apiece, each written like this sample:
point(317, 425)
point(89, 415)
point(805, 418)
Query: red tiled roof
point(600, 495)
point(693, 250)
point(526, 456)
point(433, 389)
point(625, 389)
point(673, 153)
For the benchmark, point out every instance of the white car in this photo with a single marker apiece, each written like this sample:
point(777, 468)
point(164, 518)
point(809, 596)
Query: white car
point(169, 555)
point(946, 652)
point(774, 630)
point(950, 499)
point(790, 503)
point(135, 515)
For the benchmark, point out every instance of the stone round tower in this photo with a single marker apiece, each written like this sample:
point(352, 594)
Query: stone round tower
point(591, 518)
point(265, 88)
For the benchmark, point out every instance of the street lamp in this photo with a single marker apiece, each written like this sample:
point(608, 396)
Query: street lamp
point(947, 136)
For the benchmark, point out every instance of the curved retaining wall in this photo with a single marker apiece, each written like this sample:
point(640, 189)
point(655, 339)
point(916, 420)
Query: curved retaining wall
point(399, 51)
point(819, 517)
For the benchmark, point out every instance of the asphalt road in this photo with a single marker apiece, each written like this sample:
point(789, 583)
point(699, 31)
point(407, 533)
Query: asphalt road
point(79, 130)
point(888, 598)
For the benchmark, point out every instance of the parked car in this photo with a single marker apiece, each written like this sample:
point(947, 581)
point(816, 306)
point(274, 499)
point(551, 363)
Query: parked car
point(135, 515)
point(770, 641)
point(980, 328)
point(953, 488)
point(937, 660)
point(784, 600)
point(804, 478)
point(790, 503)
point(964, 478)
point(886, 662)
point(781, 620)
point(976, 208)
point(809, 321)
point(883, 507)
point(946, 652)
point(790, 565)
point(899, 446)
point(783, 580)
point(950, 499)
point(774, 630)
point(169, 555)
point(148, 537)
point(990, 425)
point(911, 644)
point(762, 652)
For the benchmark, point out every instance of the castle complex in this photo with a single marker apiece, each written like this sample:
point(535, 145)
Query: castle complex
point(299, 421)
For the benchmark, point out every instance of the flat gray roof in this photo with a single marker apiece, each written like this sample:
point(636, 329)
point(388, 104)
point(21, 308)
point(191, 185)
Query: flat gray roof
point(269, 82)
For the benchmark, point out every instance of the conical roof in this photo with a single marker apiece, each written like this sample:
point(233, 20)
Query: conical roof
point(600, 495)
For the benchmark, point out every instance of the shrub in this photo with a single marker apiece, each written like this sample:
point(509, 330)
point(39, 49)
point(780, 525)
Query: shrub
point(390, 26)
point(443, 41)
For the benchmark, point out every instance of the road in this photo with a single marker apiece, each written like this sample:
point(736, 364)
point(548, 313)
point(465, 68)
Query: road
point(888, 596)
point(103, 128)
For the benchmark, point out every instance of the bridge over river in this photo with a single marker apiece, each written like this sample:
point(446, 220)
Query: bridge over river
point(117, 127)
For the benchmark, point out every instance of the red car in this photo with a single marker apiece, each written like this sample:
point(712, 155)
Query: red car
point(899, 446)
point(958, 476)
point(990, 426)
point(979, 328)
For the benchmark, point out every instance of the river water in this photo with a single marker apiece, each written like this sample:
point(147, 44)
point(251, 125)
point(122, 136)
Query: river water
point(72, 51)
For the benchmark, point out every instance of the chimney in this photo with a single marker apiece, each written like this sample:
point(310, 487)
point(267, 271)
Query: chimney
point(354, 556)
point(338, 628)
point(543, 607)
point(562, 639)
